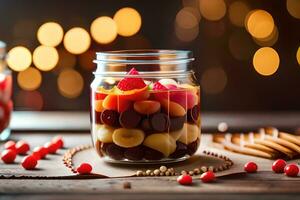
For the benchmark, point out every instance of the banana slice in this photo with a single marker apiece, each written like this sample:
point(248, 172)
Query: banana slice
point(177, 134)
point(127, 138)
point(190, 135)
point(161, 142)
point(104, 133)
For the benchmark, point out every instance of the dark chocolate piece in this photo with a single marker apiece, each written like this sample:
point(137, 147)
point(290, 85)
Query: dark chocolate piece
point(160, 122)
point(130, 119)
point(114, 151)
point(176, 123)
point(134, 153)
point(193, 114)
point(110, 117)
point(192, 147)
point(146, 125)
point(181, 150)
point(151, 154)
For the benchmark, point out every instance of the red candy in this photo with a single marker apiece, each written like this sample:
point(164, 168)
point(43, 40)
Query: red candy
point(131, 83)
point(84, 168)
point(29, 162)
point(22, 147)
point(207, 177)
point(51, 147)
point(41, 152)
point(250, 167)
point(58, 140)
point(185, 179)
point(8, 156)
point(278, 166)
point(10, 145)
point(291, 170)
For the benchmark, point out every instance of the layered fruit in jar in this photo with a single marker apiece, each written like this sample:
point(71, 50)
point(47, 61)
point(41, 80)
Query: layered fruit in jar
point(142, 120)
point(6, 104)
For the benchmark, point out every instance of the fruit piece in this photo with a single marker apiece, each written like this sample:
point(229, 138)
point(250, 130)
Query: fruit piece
point(193, 114)
point(190, 135)
point(110, 117)
point(146, 107)
point(184, 98)
point(51, 147)
point(22, 147)
point(130, 95)
point(168, 81)
point(208, 177)
point(176, 123)
point(100, 96)
point(104, 133)
point(128, 137)
point(159, 86)
point(174, 109)
point(134, 153)
point(177, 134)
point(159, 122)
point(181, 150)
point(193, 147)
point(115, 102)
point(250, 167)
point(161, 142)
point(8, 156)
point(99, 105)
point(10, 145)
point(278, 166)
point(84, 168)
point(29, 162)
point(58, 140)
point(185, 179)
point(129, 119)
point(151, 154)
point(114, 151)
point(291, 170)
point(40, 151)
point(130, 83)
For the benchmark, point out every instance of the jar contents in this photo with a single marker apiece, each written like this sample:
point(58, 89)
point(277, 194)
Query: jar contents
point(141, 120)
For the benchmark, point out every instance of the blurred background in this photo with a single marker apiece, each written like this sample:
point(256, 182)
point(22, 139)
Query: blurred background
point(247, 52)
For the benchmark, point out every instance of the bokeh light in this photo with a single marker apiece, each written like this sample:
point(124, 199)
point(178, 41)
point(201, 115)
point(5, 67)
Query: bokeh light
point(238, 11)
point(213, 80)
point(104, 30)
point(86, 60)
point(293, 7)
point(77, 40)
point(29, 100)
point(268, 41)
point(50, 34)
point(128, 20)
point(45, 58)
point(212, 9)
point(29, 79)
point(186, 35)
point(186, 19)
point(66, 59)
point(70, 83)
point(298, 55)
point(260, 23)
point(266, 61)
point(19, 58)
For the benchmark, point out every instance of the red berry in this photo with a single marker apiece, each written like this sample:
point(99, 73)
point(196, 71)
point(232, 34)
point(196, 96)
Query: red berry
point(278, 166)
point(185, 179)
point(10, 145)
point(29, 162)
point(84, 168)
point(42, 151)
point(22, 147)
point(291, 170)
point(58, 140)
point(250, 167)
point(208, 177)
point(51, 147)
point(158, 86)
point(8, 156)
point(131, 83)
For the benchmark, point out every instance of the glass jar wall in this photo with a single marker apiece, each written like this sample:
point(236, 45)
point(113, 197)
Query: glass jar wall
point(145, 106)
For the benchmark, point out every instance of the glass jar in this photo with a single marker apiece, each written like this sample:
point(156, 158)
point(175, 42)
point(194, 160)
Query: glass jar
point(6, 104)
point(145, 106)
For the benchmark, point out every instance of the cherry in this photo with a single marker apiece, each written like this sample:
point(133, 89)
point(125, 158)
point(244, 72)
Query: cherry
point(29, 162)
point(51, 147)
point(22, 147)
point(250, 167)
point(84, 168)
point(41, 151)
point(58, 140)
point(291, 170)
point(185, 179)
point(8, 156)
point(10, 145)
point(207, 177)
point(278, 166)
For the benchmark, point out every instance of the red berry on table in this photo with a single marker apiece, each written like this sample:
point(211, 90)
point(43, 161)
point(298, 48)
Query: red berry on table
point(208, 177)
point(10, 145)
point(58, 140)
point(8, 156)
point(185, 179)
point(51, 147)
point(42, 151)
point(291, 170)
point(250, 167)
point(84, 168)
point(29, 162)
point(278, 166)
point(22, 147)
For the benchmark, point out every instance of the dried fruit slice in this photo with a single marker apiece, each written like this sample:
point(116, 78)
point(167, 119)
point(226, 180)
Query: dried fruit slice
point(104, 133)
point(131, 95)
point(177, 134)
point(128, 137)
point(190, 135)
point(147, 107)
point(130, 83)
point(174, 109)
point(114, 102)
point(161, 142)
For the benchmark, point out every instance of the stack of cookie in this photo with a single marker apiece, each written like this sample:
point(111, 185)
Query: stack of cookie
point(267, 143)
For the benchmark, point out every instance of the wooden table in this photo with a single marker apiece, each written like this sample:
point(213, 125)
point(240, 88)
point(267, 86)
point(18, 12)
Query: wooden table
point(263, 185)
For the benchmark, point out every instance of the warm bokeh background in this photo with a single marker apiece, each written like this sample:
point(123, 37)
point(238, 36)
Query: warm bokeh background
point(247, 52)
